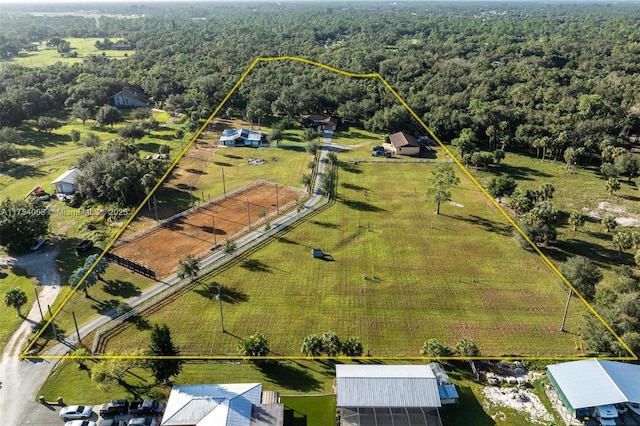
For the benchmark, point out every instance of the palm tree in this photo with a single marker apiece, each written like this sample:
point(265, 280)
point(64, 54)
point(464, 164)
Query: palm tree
point(15, 298)
point(188, 267)
point(352, 347)
point(609, 223)
point(311, 345)
point(467, 348)
point(612, 185)
point(576, 219)
point(100, 267)
point(331, 344)
point(230, 247)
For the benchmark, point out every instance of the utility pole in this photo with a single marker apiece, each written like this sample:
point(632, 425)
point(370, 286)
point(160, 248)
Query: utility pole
point(277, 203)
point(224, 186)
point(213, 229)
point(38, 300)
point(53, 324)
point(248, 214)
point(566, 310)
point(219, 297)
point(75, 322)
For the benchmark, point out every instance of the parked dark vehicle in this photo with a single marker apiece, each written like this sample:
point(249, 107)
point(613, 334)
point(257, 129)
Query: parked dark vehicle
point(116, 406)
point(84, 245)
point(148, 407)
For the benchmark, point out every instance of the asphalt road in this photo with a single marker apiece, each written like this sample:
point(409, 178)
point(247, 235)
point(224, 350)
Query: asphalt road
point(21, 380)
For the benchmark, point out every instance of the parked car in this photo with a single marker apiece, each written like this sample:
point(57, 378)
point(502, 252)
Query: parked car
point(143, 421)
point(37, 244)
point(76, 412)
point(112, 422)
point(377, 148)
point(116, 406)
point(80, 423)
point(84, 245)
point(148, 407)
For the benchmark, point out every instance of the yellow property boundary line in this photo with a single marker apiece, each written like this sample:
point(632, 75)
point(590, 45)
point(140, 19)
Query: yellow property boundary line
point(632, 356)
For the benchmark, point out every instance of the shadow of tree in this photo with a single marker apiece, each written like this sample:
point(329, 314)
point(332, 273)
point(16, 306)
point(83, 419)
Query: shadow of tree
point(222, 163)
point(361, 206)
point(121, 288)
point(487, 224)
point(235, 157)
point(105, 306)
point(325, 224)
point(229, 295)
point(349, 168)
point(289, 377)
point(354, 187)
point(296, 148)
point(255, 265)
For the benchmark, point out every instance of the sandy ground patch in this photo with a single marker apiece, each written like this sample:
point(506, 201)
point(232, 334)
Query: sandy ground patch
point(519, 399)
point(623, 218)
point(161, 248)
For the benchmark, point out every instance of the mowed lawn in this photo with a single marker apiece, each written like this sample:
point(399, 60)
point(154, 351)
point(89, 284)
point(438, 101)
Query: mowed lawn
point(396, 275)
point(49, 56)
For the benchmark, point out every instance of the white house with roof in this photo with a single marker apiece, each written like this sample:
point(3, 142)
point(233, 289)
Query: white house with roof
point(584, 385)
point(66, 182)
point(242, 137)
point(376, 395)
point(130, 98)
point(220, 405)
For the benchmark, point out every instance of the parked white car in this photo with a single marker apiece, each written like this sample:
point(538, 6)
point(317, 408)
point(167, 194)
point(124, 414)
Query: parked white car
point(80, 423)
point(76, 412)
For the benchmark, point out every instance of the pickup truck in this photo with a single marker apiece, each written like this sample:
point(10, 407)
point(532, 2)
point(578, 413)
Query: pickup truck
point(116, 406)
point(147, 407)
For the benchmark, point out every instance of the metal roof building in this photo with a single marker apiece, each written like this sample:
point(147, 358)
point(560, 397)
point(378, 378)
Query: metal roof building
point(212, 405)
point(592, 383)
point(66, 182)
point(387, 394)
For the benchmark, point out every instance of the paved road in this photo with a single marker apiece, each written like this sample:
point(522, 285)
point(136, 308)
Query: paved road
point(20, 380)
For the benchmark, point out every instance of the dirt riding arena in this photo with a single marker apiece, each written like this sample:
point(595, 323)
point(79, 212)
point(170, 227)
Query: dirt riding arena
point(161, 247)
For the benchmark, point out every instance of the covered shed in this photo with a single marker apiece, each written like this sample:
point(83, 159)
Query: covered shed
point(401, 143)
point(586, 384)
point(66, 182)
point(370, 395)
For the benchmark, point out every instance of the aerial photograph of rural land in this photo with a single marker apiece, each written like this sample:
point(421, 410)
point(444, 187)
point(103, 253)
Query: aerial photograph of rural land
point(305, 213)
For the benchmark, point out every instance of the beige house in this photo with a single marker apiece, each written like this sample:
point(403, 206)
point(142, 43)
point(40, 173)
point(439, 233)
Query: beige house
point(402, 144)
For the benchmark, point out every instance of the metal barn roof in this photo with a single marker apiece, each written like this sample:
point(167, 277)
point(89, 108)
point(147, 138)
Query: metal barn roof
point(212, 405)
point(591, 383)
point(386, 386)
point(69, 176)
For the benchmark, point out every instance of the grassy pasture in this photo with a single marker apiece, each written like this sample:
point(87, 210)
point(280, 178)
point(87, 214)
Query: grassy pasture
point(582, 190)
point(399, 275)
point(13, 277)
point(84, 46)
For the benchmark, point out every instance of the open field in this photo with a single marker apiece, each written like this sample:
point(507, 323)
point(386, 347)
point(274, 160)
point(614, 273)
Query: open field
point(583, 190)
point(397, 275)
point(49, 56)
point(13, 277)
point(161, 248)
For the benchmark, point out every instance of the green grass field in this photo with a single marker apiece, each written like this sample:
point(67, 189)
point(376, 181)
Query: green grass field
point(13, 277)
point(583, 190)
point(399, 275)
point(83, 46)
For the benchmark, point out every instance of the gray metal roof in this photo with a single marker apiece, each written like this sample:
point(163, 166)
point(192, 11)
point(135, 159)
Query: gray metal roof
point(386, 386)
point(591, 383)
point(211, 405)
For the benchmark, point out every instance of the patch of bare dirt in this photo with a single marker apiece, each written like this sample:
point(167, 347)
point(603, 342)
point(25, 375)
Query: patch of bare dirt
point(623, 218)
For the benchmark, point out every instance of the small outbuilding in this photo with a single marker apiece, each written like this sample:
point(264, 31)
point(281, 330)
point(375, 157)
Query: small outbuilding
point(401, 143)
point(371, 395)
point(66, 182)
